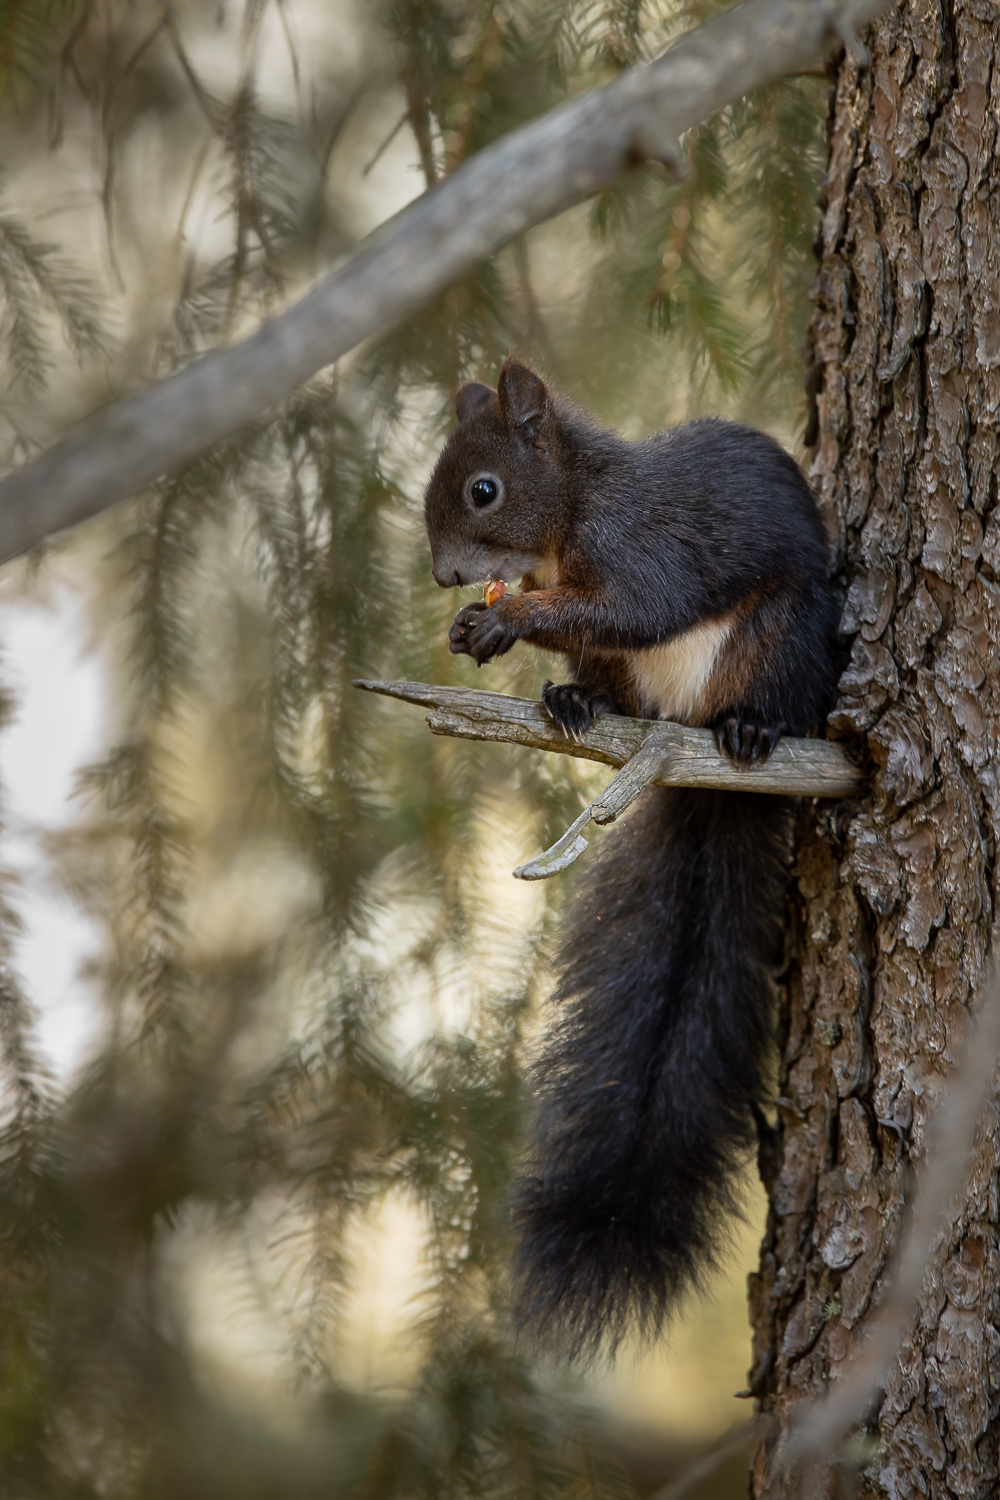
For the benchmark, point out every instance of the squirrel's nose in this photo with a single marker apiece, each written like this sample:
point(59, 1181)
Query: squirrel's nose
point(447, 578)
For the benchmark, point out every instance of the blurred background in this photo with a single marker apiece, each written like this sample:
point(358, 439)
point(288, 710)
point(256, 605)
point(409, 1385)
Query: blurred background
point(267, 984)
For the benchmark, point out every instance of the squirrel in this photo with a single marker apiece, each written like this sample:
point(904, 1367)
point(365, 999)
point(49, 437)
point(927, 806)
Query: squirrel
point(683, 577)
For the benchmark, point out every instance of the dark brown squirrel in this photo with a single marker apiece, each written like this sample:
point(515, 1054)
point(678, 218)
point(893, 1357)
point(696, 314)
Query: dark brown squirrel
point(684, 577)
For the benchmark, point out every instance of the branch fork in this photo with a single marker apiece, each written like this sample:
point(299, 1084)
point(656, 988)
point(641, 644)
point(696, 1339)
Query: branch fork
point(649, 753)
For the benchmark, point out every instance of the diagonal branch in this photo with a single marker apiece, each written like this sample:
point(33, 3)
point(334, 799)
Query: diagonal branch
point(650, 753)
point(520, 180)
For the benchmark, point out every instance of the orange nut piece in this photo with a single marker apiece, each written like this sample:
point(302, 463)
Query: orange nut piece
point(494, 592)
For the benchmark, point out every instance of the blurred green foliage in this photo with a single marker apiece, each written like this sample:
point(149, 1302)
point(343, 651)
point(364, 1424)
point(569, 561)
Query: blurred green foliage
point(317, 987)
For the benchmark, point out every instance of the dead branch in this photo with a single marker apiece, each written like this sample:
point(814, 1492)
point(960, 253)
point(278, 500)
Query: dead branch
point(520, 180)
point(651, 752)
point(690, 757)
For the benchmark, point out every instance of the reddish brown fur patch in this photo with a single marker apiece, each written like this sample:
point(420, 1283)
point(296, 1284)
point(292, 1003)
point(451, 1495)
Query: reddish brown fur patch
point(760, 624)
point(546, 576)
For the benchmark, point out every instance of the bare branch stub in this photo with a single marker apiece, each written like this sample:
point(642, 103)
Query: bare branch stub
point(688, 757)
point(641, 771)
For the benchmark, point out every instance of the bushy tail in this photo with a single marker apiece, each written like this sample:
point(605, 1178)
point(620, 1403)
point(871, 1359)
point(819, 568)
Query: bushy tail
point(647, 1083)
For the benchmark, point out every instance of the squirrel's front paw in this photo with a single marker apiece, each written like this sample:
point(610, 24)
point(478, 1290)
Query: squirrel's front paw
point(460, 634)
point(481, 631)
point(745, 740)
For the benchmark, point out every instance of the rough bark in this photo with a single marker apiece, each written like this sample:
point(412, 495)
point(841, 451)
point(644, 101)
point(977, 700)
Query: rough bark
point(892, 913)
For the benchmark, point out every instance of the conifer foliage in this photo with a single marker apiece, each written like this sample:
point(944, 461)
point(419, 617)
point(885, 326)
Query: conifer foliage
point(317, 988)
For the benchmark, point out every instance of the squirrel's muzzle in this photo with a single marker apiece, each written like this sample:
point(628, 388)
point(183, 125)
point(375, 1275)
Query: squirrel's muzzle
point(455, 564)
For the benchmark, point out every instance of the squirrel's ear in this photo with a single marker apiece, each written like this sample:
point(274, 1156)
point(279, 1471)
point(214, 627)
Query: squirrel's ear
point(470, 398)
point(522, 393)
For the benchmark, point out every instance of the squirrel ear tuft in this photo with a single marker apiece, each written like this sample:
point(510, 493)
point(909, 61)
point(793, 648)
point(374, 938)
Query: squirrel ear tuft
point(470, 398)
point(522, 393)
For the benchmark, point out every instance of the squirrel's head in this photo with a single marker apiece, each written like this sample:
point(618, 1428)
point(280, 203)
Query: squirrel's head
point(491, 501)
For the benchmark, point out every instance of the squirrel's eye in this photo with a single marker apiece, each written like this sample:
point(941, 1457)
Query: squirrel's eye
point(484, 491)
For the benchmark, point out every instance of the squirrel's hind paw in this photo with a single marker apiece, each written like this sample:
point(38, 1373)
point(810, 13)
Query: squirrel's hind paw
point(572, 708)
point(744, 740)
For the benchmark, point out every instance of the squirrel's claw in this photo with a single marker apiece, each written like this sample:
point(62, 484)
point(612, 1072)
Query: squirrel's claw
point(572, 708)
point(745, 740)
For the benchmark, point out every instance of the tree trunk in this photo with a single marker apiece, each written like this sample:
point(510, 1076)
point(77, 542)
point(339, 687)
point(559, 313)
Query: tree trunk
point(892, 909)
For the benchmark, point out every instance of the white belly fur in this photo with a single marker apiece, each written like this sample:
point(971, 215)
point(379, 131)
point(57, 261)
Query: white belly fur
point(671, 678)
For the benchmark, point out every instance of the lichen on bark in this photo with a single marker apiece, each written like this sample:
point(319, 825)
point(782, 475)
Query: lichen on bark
point(894, 896)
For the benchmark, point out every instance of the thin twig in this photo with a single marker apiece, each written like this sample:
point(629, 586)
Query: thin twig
point(386, 143)
point(108, 122)
point(579, 149)
point(205, 102)
point(736, 1440)
point(67, 62)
